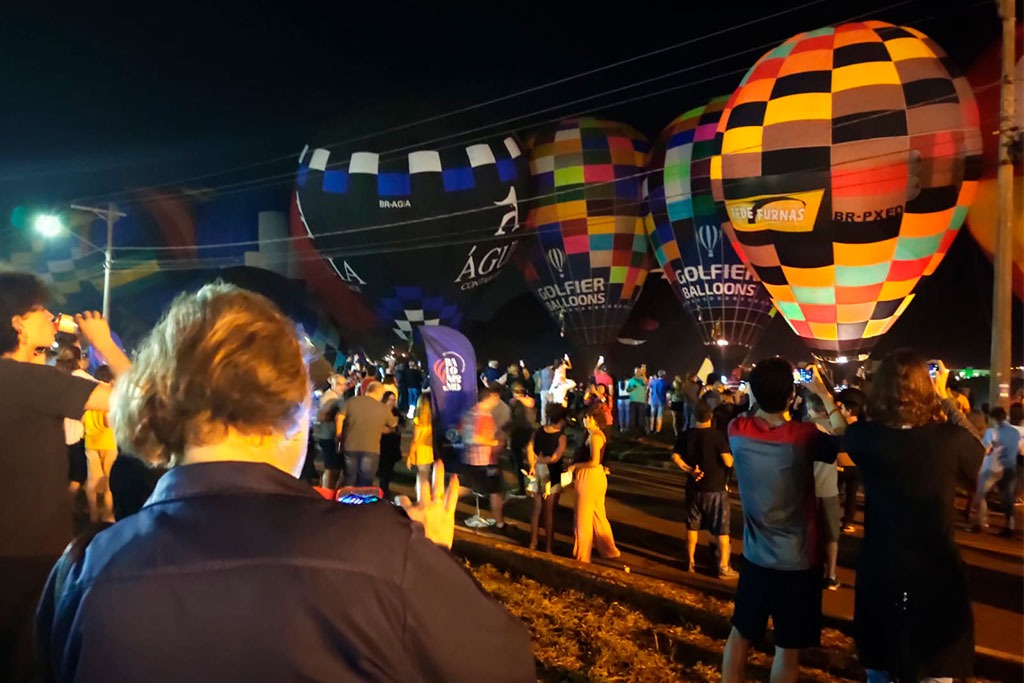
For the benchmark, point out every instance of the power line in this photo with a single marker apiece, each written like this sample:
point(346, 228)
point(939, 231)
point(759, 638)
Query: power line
point(455, 214)
point(288, 177)
point(527, 91)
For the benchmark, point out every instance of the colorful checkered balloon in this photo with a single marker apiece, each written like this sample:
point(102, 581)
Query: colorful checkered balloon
point(591, 258)
point(684, 225)
point(849, 157)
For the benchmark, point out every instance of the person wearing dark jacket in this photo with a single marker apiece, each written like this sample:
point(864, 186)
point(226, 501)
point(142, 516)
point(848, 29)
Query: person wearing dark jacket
point(912, 616)
point(234, 569)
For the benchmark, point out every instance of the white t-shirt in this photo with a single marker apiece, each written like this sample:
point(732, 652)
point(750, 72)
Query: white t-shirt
point(74, 430)
point(826, 480)
point(991, 463)
point(826, 476)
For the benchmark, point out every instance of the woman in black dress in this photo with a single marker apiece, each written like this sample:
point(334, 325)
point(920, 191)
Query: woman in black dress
point(912, 616)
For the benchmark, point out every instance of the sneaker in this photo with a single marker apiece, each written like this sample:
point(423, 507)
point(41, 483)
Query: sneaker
point(1007, 532)
point(832, 584)
point(975, 528)
point(690, 569)
point(727, 573)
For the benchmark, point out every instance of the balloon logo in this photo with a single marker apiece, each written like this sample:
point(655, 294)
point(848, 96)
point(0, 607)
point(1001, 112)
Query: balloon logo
point(556, 257)
point(848, 159)
point(708, 236)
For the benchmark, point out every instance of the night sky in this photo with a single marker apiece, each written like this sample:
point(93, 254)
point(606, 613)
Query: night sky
point(98, 101)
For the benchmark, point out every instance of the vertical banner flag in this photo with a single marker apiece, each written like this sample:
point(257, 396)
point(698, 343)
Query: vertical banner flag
point(452, 365)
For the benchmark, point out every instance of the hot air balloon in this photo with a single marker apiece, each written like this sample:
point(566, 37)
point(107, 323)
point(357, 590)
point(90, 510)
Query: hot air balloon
point(591, 257)
point(414, 234)
point(849, 157)
point(981, 219)
point(684, 226)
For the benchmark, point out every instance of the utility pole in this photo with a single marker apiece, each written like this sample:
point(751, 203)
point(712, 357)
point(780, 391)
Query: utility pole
point(110, 214)
point(1002, 254)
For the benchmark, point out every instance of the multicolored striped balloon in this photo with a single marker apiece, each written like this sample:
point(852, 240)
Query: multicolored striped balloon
point(849, 157)
point(591, 258)
point(684, 225)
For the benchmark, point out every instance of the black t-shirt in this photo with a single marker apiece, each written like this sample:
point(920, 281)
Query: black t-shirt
point(524, 422)
point(35, 509)
point(721, 416)
point(702, 447)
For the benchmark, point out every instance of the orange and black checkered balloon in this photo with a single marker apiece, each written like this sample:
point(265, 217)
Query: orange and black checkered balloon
point(849, 157)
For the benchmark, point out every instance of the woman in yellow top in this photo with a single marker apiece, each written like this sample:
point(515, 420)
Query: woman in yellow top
point(421, 451)
point(100, 453)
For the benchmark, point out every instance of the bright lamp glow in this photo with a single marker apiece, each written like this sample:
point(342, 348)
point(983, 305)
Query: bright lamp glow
point(841, 360)
point(48, 225)
point(722, 342)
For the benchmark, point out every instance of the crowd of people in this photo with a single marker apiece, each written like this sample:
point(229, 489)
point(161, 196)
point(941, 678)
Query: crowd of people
point(224, 501)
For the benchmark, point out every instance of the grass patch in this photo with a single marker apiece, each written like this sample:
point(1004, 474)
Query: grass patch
point(582, 637)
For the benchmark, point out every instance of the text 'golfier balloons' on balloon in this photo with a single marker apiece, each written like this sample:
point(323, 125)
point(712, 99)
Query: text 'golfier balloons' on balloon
point(849, 156)
point(415, 234)
point(684, 225)
point(592, 256)
point(984, 75)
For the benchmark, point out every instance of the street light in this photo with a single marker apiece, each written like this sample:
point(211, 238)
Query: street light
point(50, 225)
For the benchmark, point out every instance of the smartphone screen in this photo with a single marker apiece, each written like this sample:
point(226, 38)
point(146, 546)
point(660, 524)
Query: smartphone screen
point(358, 499)
point(801, 375)
point(359, 495)
point(933, 369)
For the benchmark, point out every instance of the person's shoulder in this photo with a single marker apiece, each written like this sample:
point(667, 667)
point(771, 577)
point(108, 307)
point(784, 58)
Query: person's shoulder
point(14, 369)
point(953, 433)
point(742, 425)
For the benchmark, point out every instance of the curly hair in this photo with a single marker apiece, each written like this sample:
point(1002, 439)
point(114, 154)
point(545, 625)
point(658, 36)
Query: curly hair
point(19, 294)
point(220, 358)
point(902, 393)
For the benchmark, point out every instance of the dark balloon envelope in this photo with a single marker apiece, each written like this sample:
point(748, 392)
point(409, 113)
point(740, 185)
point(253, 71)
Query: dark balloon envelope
point(848, 159)
point(684, 225)
point(414, 234)
point(591, 257)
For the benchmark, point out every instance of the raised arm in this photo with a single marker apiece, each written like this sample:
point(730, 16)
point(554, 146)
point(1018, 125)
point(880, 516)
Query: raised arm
point(97, 332)
point(835, 416)
point(949, 404)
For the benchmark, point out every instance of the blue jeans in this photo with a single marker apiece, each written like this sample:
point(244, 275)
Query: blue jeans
point(1005, 481)
point(360, 467)
point(876, 676)
point(414, 396)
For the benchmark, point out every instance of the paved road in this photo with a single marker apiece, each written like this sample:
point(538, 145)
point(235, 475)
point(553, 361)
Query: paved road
point(645, 508)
